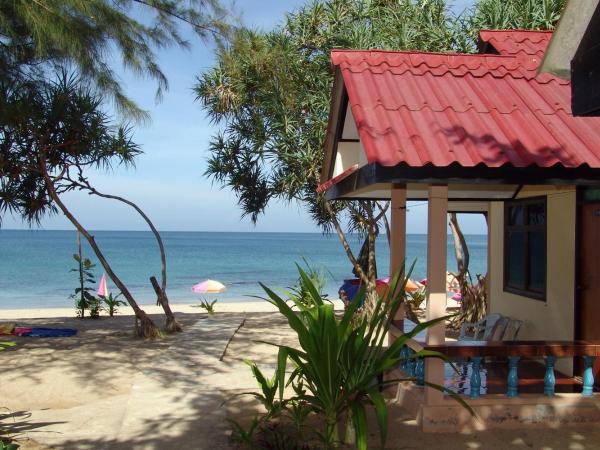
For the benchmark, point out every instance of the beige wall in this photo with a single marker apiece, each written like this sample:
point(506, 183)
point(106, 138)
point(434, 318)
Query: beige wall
point(554, 318)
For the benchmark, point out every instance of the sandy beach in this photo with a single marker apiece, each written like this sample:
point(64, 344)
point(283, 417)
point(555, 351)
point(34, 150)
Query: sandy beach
point(236, 307)
point(105, 389)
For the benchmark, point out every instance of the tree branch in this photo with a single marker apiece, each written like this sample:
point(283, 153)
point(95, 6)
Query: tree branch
point(345, 244)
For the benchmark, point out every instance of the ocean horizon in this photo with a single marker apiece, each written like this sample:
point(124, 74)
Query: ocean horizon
point(35, 264)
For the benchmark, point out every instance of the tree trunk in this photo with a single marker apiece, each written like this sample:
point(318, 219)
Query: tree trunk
point(146, 328)
point(368, 279)
point(372, 296)
point(172, 325)
point(473, 305)
point(81, 283)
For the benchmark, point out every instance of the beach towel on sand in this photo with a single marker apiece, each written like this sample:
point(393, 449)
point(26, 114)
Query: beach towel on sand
point(22, 331)
point(49, 332)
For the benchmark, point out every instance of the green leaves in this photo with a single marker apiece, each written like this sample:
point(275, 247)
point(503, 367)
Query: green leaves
point(515, 14)
point(209, 307)
point(339, 360)
point(270, 91)
point(59, 125)
point(87, 34)
point(5, 344)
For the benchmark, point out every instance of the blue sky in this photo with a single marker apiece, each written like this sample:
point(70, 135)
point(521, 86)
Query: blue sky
point(168, 181)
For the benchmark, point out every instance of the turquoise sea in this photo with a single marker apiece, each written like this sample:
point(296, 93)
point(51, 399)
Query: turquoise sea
point(34, 265)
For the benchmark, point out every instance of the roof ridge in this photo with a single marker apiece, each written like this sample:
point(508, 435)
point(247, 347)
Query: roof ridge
point(514, 30)
point(421, 52)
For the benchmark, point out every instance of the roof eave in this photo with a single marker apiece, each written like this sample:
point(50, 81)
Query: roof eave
point(334, 124)
point(375, 173)
point(567, 37)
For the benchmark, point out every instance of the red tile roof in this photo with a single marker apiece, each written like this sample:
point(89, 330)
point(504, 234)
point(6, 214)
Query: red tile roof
point(441, 109)
point(517, 42)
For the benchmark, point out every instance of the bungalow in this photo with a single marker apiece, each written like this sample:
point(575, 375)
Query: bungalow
point(484, 133)
point(573, 54)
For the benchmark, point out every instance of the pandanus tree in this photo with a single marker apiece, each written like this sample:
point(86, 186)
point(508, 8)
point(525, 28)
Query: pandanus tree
point(270, 91)
point(39, 37)
point(51, 133)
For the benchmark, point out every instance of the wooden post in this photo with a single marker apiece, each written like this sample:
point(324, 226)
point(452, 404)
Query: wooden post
point(398, 238)
point(437, 248)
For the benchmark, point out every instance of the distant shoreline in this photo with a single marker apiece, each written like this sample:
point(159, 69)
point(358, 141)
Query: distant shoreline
point(211, 231)
point(220, 307)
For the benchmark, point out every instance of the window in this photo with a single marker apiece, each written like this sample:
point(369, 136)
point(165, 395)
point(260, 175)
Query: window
point(525, 247)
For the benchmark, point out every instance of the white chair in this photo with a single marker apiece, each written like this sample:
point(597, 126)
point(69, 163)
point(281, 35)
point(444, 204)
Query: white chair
point(512, 330)
point(491, 327)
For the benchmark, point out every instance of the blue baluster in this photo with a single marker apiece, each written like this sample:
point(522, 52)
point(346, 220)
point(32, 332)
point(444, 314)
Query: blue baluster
point(475, 376)
point(549, 378)
point(512, 382)
point(411, 364)
point(420, 371)
point(588, 376)
point(404, 358)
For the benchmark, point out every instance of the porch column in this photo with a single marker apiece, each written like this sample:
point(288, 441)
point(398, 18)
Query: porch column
point(398, 237)
point(437, 247)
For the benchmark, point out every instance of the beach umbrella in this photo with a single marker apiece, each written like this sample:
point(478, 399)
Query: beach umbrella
point(102, 288)
point(412, 286)
point(208, 287)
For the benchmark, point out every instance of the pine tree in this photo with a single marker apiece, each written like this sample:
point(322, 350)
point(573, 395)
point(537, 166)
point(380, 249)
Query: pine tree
point(85, 35)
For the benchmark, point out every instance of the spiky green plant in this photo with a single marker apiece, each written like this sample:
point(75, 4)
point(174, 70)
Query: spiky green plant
point(340, 360)
point(84, 294)
point(5, 344)
point(209, 307)
point(112, 303)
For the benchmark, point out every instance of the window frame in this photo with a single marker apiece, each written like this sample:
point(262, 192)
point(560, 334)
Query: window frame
point(526, 228)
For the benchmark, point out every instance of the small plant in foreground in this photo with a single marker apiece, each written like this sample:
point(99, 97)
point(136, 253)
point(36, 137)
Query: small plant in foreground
point(84, 294)
point(112, 304)
point(5, 344)
point(6, 440)
point(209, 307)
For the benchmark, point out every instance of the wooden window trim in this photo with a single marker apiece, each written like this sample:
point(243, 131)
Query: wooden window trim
point(526, 228)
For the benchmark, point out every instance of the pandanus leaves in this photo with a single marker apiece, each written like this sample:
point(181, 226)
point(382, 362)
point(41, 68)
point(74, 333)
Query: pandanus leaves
point(340, 359)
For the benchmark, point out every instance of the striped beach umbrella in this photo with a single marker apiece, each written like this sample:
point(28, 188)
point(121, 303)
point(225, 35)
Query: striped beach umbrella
point(102, 288)
point(208, 287)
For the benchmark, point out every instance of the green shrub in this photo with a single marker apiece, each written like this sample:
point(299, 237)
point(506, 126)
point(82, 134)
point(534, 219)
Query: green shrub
point(111, 304)
point(84, 294)
point(209, 307)
point(300, 293)
point(339, 363)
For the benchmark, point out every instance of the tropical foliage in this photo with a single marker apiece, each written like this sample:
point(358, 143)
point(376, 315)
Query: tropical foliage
point(5, 344)
point(112, 303)
point(86, 35)
point(514, 14)
point(300, 293)
point(52, 132)
point(209, 307)
point(338, 365)
point(270, 94)
point(84, 294)
point(270, 91)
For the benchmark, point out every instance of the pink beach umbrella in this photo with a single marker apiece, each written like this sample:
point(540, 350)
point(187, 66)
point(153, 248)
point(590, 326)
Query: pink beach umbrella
point(102, 288)
point(208, 287)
